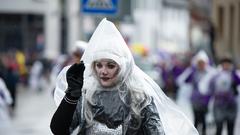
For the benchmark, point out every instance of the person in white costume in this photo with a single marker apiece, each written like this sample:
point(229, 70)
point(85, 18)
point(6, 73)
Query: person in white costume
point(5, 102)
point(60, 81)
point(199, 75)
point(224, 87)
point(36, 77)
point(108, 94)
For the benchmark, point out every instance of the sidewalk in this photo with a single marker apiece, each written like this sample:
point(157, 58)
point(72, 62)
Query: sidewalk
point(33, 113)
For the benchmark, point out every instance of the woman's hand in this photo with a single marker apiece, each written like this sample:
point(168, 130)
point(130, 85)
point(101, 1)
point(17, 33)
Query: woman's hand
point(62, 118)
point(75, 80)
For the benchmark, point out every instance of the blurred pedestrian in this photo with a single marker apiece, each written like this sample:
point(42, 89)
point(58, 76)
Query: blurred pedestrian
point(107, 94)
point(169, 75)
point(5, 97)
point(58, 75)
point(11, 80)
point(198, 75)
point(5, 102)
point(36, 73)
point(224, 87)
point(21, 61)
point(11, 76)
point(178, 66)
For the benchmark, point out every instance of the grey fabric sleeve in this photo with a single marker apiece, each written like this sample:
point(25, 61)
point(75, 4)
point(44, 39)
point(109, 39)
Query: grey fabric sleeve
point(151, 122)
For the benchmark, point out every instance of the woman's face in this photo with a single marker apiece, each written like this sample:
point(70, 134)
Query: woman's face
point(106, 72)
point(226, 65)
point(201, 65)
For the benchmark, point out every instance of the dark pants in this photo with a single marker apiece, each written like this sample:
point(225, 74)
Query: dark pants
point(199, 118)
point(225, 113)
point(12, 92)
point(230, 127)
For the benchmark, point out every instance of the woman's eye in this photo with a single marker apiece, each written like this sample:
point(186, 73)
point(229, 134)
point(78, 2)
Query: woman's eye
point(111, 66)
point(98, 65)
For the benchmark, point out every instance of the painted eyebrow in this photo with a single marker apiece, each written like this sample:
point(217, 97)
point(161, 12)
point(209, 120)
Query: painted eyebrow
point(112, 62)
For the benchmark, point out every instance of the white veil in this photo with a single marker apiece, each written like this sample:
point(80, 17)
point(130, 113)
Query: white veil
point(107, 42)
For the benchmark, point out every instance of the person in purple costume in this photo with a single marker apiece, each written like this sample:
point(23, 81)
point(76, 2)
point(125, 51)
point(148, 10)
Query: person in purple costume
point(198, 75)
point(169, 76)
point(224, 88)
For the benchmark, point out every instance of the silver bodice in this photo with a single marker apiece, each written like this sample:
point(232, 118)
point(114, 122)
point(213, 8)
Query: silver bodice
point(101, 129)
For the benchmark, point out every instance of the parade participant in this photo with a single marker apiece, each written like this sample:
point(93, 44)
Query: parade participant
point(199, 76)
point(5, 100)
point(58, 74)
point(108, 94)
point(224, 87)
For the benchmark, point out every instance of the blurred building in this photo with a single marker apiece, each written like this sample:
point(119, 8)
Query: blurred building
point(201, 32)
point(117, 11)
point(226, 18)
point(175, 20)
point(161, 24)
point(30, 25)
point(50, 27)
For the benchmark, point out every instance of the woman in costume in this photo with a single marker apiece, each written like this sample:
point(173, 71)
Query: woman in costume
point(224, 90)
point(198, 75)
point(107, 94)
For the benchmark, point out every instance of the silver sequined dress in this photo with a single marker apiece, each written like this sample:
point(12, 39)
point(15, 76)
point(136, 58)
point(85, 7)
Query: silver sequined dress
point(101, 129)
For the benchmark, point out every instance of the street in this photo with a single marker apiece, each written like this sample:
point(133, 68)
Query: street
point(33, 113)
point(183, 102)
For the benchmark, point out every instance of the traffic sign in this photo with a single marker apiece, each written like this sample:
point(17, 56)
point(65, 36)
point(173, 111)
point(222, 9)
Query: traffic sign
point(99, 6)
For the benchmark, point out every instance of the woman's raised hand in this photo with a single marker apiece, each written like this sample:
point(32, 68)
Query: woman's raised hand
point(75, 80)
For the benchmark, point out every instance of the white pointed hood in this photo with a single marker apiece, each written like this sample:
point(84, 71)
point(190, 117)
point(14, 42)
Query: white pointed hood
point(107, 42)
point(201, 55)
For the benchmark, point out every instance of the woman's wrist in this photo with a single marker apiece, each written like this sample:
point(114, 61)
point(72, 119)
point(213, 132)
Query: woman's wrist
point(70, 99)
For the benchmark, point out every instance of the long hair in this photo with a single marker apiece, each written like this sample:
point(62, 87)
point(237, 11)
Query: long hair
point(126, 85)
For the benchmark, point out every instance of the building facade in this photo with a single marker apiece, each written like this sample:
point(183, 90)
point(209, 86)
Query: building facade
point(50, 27)
point(226, 18)
point(168, 28)
point(30, 26)
point(201, 32)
